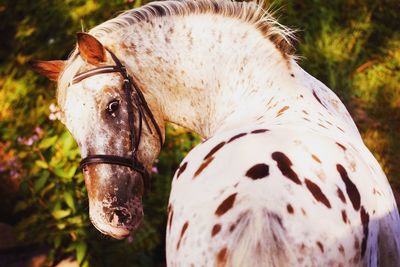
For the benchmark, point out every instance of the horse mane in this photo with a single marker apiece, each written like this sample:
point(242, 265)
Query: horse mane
point(249, 12)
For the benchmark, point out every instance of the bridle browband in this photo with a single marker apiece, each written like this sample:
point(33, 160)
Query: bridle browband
point(132, 94)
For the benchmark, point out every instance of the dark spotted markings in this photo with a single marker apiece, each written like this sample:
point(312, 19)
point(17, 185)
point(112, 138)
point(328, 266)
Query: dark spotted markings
point(170, 216)
point(344, 216)
point(321, 247)
point(258, 171)
point(184, 228)
point(226, 205)
point(236, 137)
point(181, 169)
point(314, 157)
point(215, 230)
point(222, 257)
point(341, 249)
point(319, 100)
point(214, 150)
point(282, 110)
point(341, 195)
point(317, 193)
point(351, 188)
point(284, 165)
point(365, 221)
point(259, 131)
point(290, 208)
point(203, 166)
point(341, 146)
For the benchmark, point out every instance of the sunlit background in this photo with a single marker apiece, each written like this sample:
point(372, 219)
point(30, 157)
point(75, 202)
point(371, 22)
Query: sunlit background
point(353, 46)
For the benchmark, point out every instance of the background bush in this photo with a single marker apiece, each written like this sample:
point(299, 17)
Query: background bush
point(353, 46)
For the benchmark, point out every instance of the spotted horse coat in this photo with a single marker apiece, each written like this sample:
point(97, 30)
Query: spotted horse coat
point(284, 195)
point(284, 178)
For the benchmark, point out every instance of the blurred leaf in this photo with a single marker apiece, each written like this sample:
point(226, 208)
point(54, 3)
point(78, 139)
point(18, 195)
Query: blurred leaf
point(39, 183)
point(57, 241)
point(69, 199)
point(48, 142)
point(81, 249)
point(59, 214)
point(21, 205)
point(42, 164)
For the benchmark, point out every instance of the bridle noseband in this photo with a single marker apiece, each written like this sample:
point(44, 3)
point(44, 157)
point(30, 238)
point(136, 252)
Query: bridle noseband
point(133, 95)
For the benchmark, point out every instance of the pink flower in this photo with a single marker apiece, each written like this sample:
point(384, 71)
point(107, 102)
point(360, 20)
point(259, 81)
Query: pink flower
point(154, 169)
point(55, 113)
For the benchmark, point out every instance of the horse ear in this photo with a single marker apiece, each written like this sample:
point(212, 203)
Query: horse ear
point(90, 49)
point(50, 69)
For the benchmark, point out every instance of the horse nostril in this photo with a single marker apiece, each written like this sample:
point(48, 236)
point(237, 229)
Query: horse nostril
point(123, 217)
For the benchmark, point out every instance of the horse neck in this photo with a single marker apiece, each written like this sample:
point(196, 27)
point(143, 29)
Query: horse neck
point(208, 73)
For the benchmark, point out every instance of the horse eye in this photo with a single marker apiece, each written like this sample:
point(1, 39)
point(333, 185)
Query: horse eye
point(112, 107)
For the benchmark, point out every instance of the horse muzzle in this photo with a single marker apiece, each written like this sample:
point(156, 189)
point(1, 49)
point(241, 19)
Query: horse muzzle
point(115, 199)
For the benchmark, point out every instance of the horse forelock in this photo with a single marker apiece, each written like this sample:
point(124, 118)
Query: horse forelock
point(249, 12)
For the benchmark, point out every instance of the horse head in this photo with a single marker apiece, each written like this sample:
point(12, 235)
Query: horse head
point(118, 135)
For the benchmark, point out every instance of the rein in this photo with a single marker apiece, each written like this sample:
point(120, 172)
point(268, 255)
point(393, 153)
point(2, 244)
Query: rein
point(132, 94)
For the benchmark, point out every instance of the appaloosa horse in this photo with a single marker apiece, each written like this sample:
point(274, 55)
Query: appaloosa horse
point(284, 178)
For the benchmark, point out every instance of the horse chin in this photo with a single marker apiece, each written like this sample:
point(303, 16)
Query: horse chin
point(115, 232)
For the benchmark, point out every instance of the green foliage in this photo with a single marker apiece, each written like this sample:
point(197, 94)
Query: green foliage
point(351, 45)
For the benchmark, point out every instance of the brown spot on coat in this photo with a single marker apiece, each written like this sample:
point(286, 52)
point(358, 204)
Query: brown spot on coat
point(314, 157)
point(214, 150)
point(222, 257)
point(259, 131)
point(304, 212)
point(170, 216)
point(216, 229)
point(181, 169)
point(284, 165)
point(341, 195)
point(356, 243)
point(351, 188)
point(226, 205)
point(319, 100)
point(282, 110)
point(317, 193)
point(236, 137)
point(365, 222)
point(344, 216)
point(258, 171)
point(184, 228)
point(341, 146)
point(341, 249)
point(321, 247)
point(203, 166)
point(290, 208)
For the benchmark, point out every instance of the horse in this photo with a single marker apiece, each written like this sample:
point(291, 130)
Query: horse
point(283, 177)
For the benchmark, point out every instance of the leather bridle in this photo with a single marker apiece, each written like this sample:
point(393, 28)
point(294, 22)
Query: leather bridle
point(132, 95)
